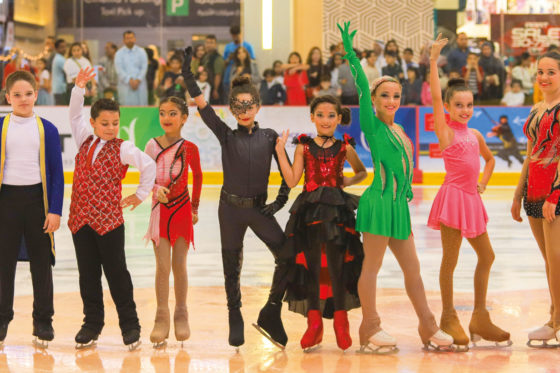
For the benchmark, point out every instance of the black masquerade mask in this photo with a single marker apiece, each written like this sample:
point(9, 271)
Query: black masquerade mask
point(241, 107)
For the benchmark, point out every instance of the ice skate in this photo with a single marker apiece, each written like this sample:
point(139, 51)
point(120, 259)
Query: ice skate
point(270, 325)
point(182, 329)
point(543, 335)
point(314, 333)
point(160, 332)
point(43, 333)
point(86, 338)
point(3, 332)
point(482, 328)
point(438, 342)
point(236, 328)
point(342, 330)
point(381, 343)
point(451, 325)
point(131, 338)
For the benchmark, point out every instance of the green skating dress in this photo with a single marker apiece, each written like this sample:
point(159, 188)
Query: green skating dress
point(383, 208)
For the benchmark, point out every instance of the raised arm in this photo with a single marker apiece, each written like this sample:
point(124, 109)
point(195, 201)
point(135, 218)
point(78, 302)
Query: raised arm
point(207, 114)
point(443, 132)
point(79, 125)
point(291, 173)
point(368, 121)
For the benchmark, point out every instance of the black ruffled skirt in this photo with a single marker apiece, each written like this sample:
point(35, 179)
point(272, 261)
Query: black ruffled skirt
point(325, 215)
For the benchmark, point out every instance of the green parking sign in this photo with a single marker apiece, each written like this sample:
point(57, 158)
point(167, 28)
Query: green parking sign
point(177, 7)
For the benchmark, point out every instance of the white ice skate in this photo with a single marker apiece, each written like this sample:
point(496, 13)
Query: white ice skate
point(543, 334)
point(40, 343)
point(381, 343)
point(439, 342)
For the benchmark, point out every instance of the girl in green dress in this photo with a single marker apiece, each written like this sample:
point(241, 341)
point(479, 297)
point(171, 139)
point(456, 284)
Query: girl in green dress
point(383, 215)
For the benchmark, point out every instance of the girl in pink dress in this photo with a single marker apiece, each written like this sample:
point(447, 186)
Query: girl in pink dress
point(173, 214)
point(458, 210)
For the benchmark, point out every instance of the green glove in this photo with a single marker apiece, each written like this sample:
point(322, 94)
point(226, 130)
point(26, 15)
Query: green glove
point(347, 38)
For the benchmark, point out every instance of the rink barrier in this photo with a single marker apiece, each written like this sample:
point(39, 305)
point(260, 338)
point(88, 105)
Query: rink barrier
point(140, 124)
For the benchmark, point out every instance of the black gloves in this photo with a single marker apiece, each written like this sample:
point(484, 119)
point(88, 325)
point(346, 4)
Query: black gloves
point(281, 199)
point(271, 208)
point(188, 76)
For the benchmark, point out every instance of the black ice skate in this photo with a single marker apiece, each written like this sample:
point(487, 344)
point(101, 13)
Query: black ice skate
point(236, 328)
point(131, 338)
point(86, 338)
point(43, 333)
point(270, 325)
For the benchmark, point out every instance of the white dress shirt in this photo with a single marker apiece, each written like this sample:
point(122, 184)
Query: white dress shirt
point(22, 152)
point(130, 154)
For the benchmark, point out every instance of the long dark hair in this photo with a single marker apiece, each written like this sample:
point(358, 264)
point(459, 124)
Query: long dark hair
point(393, 41)
point(310, 56)
point(247, 63)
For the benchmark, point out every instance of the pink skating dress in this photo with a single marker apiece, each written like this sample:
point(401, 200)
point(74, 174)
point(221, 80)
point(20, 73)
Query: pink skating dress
point(173, 219)
point(458, 204)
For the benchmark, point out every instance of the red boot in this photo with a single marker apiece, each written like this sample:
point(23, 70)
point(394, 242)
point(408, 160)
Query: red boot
point(314, 333)
point(342, 330)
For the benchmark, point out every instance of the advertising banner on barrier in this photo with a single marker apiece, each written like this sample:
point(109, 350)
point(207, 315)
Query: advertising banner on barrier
point(502, 128)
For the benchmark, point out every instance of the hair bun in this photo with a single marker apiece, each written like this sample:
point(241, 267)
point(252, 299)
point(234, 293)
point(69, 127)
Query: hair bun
point(240, 81)
point(456, 82)
point(346, 115)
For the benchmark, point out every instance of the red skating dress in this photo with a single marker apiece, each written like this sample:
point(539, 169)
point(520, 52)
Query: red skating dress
point(543, 184)
point(173, 219)
point(295, 88)
point(324, 203)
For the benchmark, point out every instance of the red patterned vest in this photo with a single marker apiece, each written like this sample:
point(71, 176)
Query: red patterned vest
point(97, 190)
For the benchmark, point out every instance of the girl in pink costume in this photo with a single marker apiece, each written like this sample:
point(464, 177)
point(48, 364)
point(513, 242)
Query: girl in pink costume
point(174, 212)
point(458, 210)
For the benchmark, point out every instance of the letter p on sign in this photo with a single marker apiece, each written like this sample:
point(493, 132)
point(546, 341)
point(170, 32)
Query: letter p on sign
point(177, 7)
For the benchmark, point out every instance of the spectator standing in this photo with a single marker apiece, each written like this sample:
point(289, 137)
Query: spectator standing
point(524, 74)
point(58, 77)
point(278, 68)
point(131, 62)
point(75, 61)
point(198, 54)
point(349, 94)
point(370, 69)
point(108, 78)
point(457, 58)
point(153, 66)
point(515, 96)
point(315, 72)
point(392, 68)
point(49, 51)
point(334, 69)
point(173, 84)
point(393, 48)
point(236, 42)
point(85, 51)
point(44, 97)
point(494, 74)
point(408, 55)
point(215, 65)
point(271, 91)
point(244, 65)
point(412, 88)
point(474, 75)
point(295, 80)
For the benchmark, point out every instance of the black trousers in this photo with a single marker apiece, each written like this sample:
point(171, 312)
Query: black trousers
point(93, 253)
point(22, 214)
point(234, 222)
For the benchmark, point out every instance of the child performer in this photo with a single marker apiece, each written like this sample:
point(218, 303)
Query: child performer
point(247, 153)
point(31, 193)
point(383, 214)
point(173, 215)
point(96, 219)
point(539, 186)
point(322, 223)
point(458, 210)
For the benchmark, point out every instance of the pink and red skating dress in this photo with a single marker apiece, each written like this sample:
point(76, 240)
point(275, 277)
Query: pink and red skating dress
point(173, 219)
point(458, 204)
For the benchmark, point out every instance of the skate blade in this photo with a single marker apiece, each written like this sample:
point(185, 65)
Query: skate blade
point(430, 347)
point(267, 336)
point(40, 343)
point(308, 350)
point(85, 346)
point(475, 338)
point(543, 343)
point(377, 350)
point(134, 346)
point(159, 345)
point(460, 348)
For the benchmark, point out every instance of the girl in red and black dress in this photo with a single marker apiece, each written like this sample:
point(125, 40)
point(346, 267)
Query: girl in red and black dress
point(320, 232)
point(539, 184)
point(174, 213)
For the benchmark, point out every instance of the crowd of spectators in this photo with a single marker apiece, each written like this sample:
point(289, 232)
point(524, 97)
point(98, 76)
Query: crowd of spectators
point(140, 76)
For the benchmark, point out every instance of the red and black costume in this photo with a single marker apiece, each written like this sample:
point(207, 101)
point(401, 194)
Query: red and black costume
point(543, 179)
point(321, 236)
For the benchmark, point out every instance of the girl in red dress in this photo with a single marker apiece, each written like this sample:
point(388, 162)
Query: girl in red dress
point(320, 232)
point(295, 80)
point(174, 213)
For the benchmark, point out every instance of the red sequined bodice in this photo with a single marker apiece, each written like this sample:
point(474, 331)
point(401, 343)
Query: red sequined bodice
point(544, 132)
point(323, 166)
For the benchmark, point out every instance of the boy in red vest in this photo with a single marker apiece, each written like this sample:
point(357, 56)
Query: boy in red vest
point(96, 219)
